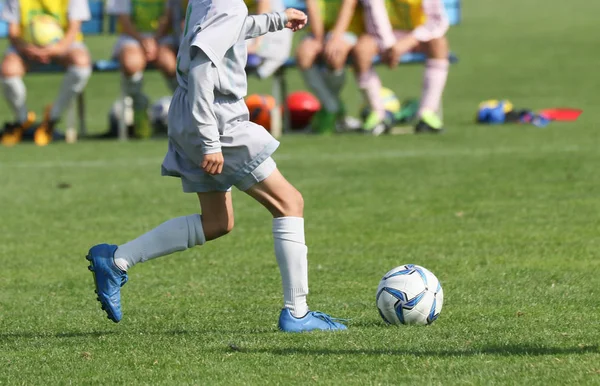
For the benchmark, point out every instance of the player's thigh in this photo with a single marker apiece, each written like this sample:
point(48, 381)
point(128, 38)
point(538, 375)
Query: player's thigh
point(166, 60)
point(307, 51)
point(132, 59)
point(276, 194)
point(217, 213)
point(13, 65)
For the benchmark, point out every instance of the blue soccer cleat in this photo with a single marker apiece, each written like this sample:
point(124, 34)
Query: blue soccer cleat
point(314, 320)
point(108, 279)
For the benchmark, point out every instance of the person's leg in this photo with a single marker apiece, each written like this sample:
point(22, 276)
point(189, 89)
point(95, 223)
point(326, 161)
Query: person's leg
point(434, 82)
point(133, 63)
point(78, 64)
point(368, 81)
point(286, 205)
point(166, 62)
point(109, 263)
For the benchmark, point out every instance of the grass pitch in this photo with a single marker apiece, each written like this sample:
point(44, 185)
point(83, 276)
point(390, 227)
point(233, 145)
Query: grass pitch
point(506, 217)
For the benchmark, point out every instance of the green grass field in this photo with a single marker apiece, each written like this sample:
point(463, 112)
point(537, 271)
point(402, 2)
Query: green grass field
point(506, 217)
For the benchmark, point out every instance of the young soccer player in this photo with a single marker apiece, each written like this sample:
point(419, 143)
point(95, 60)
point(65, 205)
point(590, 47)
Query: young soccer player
point(22, 54)
point(334, 26)
point(394, 28)
point(145, 38)
point(272, 50)
point(212, 147)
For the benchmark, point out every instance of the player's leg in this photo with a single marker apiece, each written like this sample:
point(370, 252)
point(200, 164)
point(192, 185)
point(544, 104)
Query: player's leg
point(78, 64)
point(306, 55)
point(285, 203)
point(434, 83)
point(166, 62)
point(109, 263)
point(15, 93)
point(369, 83)
point(133, 63)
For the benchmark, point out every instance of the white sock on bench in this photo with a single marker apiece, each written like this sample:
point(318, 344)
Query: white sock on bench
point(16, 95)
point(132, 85)
point(74, 82)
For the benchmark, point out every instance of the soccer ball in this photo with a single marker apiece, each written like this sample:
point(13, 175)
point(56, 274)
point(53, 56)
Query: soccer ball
point(391, 104)
point(159, 114)
point(260, 107)
point(44, 30)
point(409, 294)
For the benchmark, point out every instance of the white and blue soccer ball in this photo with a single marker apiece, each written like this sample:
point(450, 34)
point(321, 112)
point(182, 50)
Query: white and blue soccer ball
point(409, 294)
point(159, 114)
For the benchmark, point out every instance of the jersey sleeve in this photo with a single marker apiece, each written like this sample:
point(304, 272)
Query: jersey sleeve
point(436, 24)
point(258, 25)
point(11, 11)
point(220, 30)
point(202, 78)
point(79, 10)
point(118, 7)
point(378, 23)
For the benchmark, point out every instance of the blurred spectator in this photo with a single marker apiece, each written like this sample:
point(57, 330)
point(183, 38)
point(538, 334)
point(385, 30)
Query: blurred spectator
point(394, 28)
point(334, 27)
point(22, 54)
point(268, 52)
point(145, 38)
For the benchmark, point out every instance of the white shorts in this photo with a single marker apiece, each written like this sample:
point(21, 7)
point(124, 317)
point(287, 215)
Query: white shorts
point(126, 40)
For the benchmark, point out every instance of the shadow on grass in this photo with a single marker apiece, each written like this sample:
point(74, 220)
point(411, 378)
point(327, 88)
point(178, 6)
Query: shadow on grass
point(514, 350)
point(44, 335)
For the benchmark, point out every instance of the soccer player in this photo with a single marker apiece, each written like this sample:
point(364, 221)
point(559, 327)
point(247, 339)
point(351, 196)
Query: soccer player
point(69, 52)
point(212, 147)
point(334, 27)
point(272, 50)
point(394, 28)
point(145, 38)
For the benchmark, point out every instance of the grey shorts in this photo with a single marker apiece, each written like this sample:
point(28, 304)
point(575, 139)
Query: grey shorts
point(259, 174)
point(126, 40)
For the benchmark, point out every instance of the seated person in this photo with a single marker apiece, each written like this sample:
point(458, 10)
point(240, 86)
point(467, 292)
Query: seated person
point(334, 27)
point(144, 39)
point(394, 28)
point(22, 55)
point(268, 52)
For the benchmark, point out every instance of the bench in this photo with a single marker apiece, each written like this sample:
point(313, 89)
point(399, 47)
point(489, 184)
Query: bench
point(100, 24)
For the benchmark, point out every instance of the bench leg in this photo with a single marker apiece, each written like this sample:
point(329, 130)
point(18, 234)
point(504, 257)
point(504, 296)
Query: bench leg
point(70, 130)
point(125, 103)
point(280, 94)
point(81, 114)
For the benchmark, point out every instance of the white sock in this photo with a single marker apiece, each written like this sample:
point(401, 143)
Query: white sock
point(74, 82)
point(132, 85)
point(16, 95)
point(314, 79)
point(290, 251)
point(175, 235)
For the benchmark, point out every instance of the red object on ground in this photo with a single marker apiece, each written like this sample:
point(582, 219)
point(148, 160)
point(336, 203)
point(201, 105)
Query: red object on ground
point(302, 106)
point(260, 107)
point(561, 114)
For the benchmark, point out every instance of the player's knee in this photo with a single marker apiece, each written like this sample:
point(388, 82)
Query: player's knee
point(79, 58)
point(216, 226)
point(12, 65)
point(305, 56)
point(166, 61)
point(132, 61)
point(292, 205)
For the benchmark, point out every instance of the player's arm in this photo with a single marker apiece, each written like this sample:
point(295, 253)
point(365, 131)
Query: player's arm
point(264, 6)
point(317, 26)
point(164, 24)
point(258, 25)
point(201, 85)
point(12, 15)
point(63, 45)
point(336, 39)
point(378, 23)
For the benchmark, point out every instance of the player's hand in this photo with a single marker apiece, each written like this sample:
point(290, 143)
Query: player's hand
point(213, 163)
point(150, 48)
point(54, 50)
point(333, 47)
point(296, 19)
point(401, 47)
point(35, 53)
